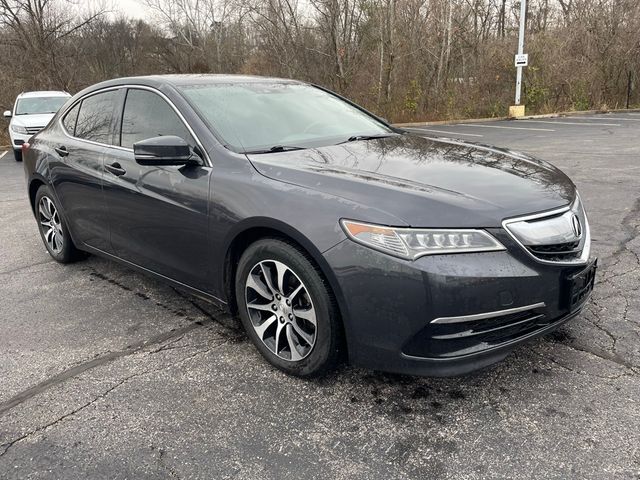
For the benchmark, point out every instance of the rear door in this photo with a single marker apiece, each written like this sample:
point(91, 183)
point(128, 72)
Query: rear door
point(77, 171)
point(157, 215)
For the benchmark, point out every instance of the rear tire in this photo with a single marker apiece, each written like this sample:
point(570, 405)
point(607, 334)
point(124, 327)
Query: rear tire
point(287, 309)
point(17, 154)
point(53, 228)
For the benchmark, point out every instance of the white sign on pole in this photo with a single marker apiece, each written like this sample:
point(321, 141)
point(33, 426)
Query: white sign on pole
point(522, 59)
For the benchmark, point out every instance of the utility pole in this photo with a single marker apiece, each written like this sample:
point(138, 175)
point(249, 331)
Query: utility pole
point(521, 61)
point(523, 21)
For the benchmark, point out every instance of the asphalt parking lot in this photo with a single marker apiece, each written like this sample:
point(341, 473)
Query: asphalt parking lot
point(105, 373)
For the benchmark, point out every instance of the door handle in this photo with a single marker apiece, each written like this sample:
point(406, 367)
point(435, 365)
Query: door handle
point(116, 169)
point(62, 151)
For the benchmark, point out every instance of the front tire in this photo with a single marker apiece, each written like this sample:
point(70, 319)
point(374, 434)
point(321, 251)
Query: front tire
point(53, 228)
point(17, 154)
point(287, 309)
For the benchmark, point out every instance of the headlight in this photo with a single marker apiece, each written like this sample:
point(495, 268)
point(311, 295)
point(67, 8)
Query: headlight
point(19, 129)
point(411, 243)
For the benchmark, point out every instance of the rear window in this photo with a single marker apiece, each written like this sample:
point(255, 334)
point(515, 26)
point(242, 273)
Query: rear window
point(95, 117)
point(69, 120)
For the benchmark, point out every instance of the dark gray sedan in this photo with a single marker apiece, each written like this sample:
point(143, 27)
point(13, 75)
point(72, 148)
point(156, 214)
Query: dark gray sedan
point(332, 234)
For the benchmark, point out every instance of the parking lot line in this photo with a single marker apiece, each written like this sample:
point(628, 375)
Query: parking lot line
point(449, 133)
point(617, 118)
point(2, 155)
point(508, 128)
point(573, 123)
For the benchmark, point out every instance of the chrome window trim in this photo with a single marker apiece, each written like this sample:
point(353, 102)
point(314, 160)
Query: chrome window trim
point(483, 316)
point(586, 251)
point(207, 160)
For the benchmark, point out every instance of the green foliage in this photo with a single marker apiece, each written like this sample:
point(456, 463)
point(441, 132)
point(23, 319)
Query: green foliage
point(580, 97)
point(411, 97)
point(536, 93)
point(497, 109)
point(535, 96)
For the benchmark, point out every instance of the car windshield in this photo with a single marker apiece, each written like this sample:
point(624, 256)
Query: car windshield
point(255, 117)
point(34, 105)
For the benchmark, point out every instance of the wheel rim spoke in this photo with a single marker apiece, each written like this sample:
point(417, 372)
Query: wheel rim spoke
point(278, 335)
point(58, 238)
point(281, 310)
point(295, 355)
point(281, 270)
point(52, 227)
point(266, 307)
point(301, 333)
point(259, 287)
point(260, 329)
point(43, 211)
point(309, 314)
point(295, 292)
point(267, 278)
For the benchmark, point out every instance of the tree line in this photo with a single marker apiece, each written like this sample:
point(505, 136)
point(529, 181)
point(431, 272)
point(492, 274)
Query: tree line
point(406, 60)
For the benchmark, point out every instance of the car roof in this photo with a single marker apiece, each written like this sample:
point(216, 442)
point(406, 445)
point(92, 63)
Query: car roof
point(44, 93)
point(188, 79)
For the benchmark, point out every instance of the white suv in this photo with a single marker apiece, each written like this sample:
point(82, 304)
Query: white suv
point(31, 113)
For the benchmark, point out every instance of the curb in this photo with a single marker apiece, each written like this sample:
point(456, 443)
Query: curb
point(526, 117)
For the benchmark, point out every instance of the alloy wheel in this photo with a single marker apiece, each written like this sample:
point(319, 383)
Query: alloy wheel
point(281, 310)
point(51, 225)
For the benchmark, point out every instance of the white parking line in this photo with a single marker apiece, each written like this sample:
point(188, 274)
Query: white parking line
point(2, 155)
point(448, 133)
point(573, 123)
point(508, 128)
point(616, 118)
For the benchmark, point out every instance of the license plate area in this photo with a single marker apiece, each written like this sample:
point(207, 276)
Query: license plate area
point(580, 286)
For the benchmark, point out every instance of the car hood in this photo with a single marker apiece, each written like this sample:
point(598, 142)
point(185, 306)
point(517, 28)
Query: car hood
point(426, 182)
point(34, 120)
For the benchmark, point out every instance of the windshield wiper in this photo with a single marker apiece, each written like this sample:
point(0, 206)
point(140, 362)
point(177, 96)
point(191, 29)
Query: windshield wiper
point(355, 138)
point(276, 149)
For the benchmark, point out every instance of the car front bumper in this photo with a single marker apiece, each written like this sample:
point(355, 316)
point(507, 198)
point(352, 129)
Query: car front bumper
point(445, 315)
point(17, 139)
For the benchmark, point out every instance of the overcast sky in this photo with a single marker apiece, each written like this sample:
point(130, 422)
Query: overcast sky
point(131, 8)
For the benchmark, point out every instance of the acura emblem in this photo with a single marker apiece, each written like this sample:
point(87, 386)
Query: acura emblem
point(577, 228)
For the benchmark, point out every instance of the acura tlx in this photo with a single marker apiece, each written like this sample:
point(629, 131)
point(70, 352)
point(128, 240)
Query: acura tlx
point(333, 235)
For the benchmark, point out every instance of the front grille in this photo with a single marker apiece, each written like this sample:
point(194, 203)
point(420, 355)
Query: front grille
point(554, 249)
point(466, 335)
point(33, 130)
point(557, 252)
point(561, 236)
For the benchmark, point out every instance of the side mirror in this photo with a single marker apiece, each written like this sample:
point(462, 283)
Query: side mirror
point(165, 150)
point(7, 114)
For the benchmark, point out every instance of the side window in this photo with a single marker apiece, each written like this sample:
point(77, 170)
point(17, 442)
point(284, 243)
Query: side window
point(147, 115)
point(94, 119)
point(69, 120)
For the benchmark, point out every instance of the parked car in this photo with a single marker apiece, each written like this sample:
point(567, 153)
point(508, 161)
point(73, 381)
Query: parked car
point(31, 113)
point(331, 233)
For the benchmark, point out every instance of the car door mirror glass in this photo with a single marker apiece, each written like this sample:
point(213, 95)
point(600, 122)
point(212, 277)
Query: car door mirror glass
point(165, 150)
point(7, 114)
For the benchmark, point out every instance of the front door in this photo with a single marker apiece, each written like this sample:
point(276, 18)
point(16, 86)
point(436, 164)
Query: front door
point(158, 216)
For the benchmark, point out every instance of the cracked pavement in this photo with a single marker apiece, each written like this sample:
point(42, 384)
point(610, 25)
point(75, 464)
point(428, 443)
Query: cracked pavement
point(105, 373)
